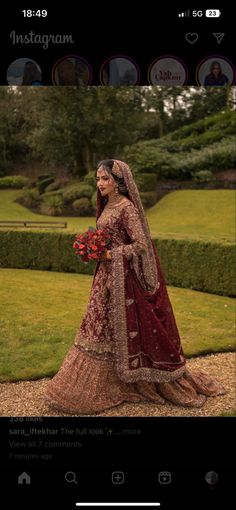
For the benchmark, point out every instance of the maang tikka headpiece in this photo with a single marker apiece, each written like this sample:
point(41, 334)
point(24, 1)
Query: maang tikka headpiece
point(122, 170)
point(116, 169)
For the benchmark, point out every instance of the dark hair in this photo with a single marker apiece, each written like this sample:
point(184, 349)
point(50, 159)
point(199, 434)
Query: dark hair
point(61, 66)
point(216, 63)
point(31, 73)
point(108, 164)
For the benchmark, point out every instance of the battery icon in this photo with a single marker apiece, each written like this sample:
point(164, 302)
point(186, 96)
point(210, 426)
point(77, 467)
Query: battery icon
point(212, 13)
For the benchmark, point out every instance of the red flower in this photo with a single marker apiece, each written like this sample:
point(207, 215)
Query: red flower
point(92, 244)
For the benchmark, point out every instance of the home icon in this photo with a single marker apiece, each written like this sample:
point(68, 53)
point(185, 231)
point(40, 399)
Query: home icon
point(24, 478)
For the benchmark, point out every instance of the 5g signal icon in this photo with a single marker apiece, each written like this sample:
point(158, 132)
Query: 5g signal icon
point(185, 14)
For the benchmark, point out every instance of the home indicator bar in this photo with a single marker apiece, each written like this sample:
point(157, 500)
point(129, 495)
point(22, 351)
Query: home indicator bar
point(119, 504)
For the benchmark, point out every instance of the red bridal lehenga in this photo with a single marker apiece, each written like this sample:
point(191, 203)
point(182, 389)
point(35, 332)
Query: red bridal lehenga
point(128, 347)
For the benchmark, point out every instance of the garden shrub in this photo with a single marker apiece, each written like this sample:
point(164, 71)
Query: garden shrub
point(13, 181)
point(82, 206)
point(204, 266)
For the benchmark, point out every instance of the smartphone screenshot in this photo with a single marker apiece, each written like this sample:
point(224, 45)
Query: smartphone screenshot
point(117, 256)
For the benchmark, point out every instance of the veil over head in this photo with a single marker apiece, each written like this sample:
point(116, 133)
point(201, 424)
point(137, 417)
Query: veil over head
point(122, 170)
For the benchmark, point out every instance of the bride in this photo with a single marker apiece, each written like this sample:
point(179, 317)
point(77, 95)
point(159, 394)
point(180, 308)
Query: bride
point(128, 347)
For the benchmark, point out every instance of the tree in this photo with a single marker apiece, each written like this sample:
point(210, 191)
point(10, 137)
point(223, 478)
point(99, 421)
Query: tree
point(78, 126)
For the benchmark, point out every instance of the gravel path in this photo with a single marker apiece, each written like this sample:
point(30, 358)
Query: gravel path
point(26, 398)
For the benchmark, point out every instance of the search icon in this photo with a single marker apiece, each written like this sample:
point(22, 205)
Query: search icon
point(70, 477)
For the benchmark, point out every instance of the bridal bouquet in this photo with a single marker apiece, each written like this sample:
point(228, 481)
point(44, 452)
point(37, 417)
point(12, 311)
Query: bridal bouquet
point(92, 244)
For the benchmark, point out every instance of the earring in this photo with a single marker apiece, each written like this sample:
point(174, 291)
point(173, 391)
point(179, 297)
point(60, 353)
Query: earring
point(116, 190)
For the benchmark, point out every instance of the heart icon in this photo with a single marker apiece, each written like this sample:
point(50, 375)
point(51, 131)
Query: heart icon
point(191, 37)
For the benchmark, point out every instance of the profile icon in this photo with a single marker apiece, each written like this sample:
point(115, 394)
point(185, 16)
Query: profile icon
point(216, 75)
point(71, 71)
point(24, 71)
point(31, 73)
point(118, 71)
point(167, 70)
point(211, 477)
point(215, 71)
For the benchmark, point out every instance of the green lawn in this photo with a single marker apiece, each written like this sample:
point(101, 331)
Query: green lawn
point(40, 312)
point(229, 413)
point(10, 210)
point(196, 214)
point(201, 214)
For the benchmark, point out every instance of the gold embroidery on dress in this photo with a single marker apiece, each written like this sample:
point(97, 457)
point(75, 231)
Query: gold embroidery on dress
point(93, 345)
point(109, 335)
point(120, 325)
point(133, 334)
point(95, 354)
point(135, 362)
point(129, 301)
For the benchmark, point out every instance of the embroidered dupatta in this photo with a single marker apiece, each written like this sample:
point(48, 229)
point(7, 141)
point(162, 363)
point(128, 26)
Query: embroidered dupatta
point(147, 341)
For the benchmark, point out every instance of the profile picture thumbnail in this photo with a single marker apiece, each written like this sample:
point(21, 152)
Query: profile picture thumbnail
point(72, 70)
point(167, 70)
point(119, 71)
point(24, 71)
point(215, 71)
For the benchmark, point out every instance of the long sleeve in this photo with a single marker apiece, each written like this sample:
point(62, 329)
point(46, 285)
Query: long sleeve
point(134, 229)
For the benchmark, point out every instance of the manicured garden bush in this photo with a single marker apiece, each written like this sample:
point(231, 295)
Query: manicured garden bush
point(146, 182)
point(56, 193)
point(204, 266)
point(149, 156)
point(148, 198)
point(71, 193)
point(90, 179)
point(29, 198)
point(59, 183)
point(13, 181)
point(82, 206)
point(203, 176)
point(85, 190)
point(94, 200)
point(52, 205)
point(43, 184)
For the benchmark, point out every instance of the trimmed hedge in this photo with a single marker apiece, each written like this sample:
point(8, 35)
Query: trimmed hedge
point(203, 176)
point(13, 181)
point(148, 198)
point(222, 122)
point(48, 251)
point(204, 266)
point(150, 156)
point(146, 182)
